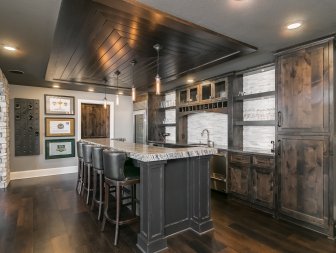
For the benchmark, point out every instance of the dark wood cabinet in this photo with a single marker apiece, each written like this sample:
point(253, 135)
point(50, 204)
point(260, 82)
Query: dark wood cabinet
point(189, 95)
point(262, 184)
point(252, 179)
point(304, 170)
point(206, 91)
point(305, 135)
point(239, 179)
point(303, 89)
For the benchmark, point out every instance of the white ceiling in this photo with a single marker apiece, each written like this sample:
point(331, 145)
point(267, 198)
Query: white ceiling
point(29, 25)
point(261, 23)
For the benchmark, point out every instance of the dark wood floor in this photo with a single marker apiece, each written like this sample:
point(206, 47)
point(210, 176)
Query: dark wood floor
point(45, 215)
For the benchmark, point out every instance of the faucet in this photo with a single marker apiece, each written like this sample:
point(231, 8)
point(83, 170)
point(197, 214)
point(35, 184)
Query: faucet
point(209, 143)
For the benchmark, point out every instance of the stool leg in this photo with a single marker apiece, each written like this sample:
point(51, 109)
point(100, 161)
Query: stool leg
point(89, 183)
point(100, 195)
point(133, 199)
point(84, 178)
point(106, 201)
point(78, 176)
point(117, 214)
point(94, 188)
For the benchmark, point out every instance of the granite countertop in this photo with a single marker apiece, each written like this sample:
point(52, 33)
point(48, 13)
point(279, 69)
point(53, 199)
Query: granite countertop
point(147, 153)
point(223, 148)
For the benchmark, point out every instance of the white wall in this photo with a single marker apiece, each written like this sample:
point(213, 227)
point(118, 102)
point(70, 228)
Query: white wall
point(123, 126)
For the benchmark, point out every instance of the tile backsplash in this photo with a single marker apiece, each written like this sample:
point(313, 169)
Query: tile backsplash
point(216, 123)
point(258, 137)
point(259, 82)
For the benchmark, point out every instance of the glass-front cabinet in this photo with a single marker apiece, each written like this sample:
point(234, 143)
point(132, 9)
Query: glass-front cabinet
point(183, 96)
point(206, 91)
point(214, 90)
point(193, 94)
point(220, 88)
point(189, 95)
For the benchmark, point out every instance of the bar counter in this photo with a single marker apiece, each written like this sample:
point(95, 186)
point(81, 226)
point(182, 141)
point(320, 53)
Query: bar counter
point(174, 190)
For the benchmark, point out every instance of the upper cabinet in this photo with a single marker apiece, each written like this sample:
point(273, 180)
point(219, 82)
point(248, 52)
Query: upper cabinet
point(188, 95)
point(303, 89)
point(214, 90)
point(204, 92)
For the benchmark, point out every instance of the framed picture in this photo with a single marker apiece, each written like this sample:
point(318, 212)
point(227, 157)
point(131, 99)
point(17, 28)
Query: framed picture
point(59, 105)
point(59, 148)
point(55, 127)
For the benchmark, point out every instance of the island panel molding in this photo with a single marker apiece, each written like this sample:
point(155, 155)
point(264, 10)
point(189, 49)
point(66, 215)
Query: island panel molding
point(174, 190)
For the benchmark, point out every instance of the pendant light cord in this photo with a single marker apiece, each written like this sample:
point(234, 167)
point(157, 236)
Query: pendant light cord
point(157, 61)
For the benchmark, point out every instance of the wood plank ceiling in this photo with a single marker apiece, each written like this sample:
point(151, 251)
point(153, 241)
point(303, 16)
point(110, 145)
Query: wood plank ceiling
point(93, 39)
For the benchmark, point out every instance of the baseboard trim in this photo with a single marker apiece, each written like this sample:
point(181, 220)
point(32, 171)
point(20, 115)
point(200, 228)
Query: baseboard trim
point(42, 172)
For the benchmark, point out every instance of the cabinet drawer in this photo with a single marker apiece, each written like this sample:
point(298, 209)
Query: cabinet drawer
point(263, 161)
point(238, 158)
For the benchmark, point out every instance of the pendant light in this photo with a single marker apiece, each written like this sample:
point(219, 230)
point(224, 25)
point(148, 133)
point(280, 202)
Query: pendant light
point(133, 62)
point(157, 47)
point(117, 73)
point(105, 100)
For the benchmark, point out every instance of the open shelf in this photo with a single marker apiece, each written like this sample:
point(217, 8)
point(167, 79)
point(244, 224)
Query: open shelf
point(167, 108)
point(254, 96)
point(255, 123)
point(167, 124)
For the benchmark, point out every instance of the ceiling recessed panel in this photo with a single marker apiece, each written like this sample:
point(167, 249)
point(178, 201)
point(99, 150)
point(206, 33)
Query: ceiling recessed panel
point(93, 39)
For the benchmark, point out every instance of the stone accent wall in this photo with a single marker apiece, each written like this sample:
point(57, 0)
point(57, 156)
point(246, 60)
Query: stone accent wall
point(4, 131)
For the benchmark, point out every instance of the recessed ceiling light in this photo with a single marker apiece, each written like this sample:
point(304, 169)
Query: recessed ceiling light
point(120, 93)
point(9, 48)
point(294, 25)
point(55, 86)
point(91, 89)
point(190, 80)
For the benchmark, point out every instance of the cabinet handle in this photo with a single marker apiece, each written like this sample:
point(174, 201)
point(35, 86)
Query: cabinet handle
point(279, 118)
point(279, 148)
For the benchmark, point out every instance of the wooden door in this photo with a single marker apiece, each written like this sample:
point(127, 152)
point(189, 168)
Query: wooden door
point(95, 121)
point(303, 168)
point(303, 85)
point(262, 186)
point(239, 178)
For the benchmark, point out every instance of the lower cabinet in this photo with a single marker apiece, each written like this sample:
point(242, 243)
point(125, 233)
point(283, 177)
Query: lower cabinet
point(251, 178)
point(239, 176)
point(262, 183)
point(304, 175)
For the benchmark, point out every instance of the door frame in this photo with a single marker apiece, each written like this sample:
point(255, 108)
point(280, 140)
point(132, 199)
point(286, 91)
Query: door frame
point(96, 102)
point(139, 112)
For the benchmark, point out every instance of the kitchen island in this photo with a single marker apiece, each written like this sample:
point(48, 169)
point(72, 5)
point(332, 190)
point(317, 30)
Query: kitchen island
point(174, 190)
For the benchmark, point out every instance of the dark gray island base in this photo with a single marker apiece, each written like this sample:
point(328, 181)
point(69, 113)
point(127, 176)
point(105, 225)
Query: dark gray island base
point(174, 192)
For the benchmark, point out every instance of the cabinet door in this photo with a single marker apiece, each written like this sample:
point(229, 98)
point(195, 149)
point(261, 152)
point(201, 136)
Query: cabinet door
point(206, 91)
point(262, 186)
point(220, 89)
point(303, 164)
point(193, 94)
point(303, 87)
point(183, 96)
point(239, 175)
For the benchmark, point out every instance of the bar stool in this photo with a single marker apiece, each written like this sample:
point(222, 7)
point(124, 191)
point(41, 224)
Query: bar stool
point(80, 182)
point(119, 171)
point(87, 157)
point(98, 170)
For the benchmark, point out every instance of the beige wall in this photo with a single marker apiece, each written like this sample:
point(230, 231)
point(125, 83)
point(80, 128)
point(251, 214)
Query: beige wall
point(123, 126)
